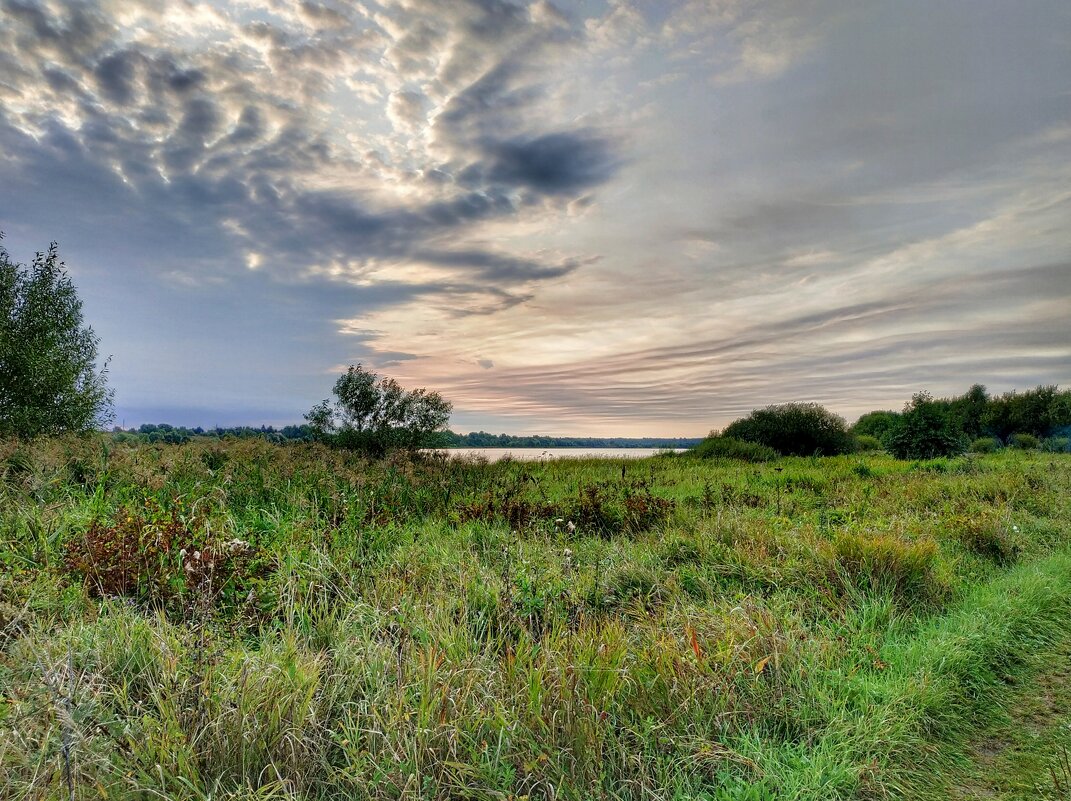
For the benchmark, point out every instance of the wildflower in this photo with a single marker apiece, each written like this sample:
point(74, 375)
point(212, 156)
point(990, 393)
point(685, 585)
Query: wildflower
point(571, 526)
point(197, 555)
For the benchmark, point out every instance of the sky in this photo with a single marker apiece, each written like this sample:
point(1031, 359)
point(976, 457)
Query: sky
point(586, 217)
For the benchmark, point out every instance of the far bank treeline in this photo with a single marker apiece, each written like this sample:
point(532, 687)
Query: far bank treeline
point(926, 428)
point(165, 432)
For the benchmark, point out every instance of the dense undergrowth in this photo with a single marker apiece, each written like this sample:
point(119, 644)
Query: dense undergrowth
point(245, 620)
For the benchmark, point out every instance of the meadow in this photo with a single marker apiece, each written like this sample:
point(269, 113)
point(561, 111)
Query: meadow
point(246, 620)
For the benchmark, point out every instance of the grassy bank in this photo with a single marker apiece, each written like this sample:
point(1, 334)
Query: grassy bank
point(254, 621)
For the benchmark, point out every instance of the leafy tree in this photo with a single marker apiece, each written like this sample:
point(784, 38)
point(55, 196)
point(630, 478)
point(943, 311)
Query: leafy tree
point(875, 424)
point(1042, 411)
point(796, 429)
point(375, 415)
point(969, 410)
point(49, 381)
point(926, 430)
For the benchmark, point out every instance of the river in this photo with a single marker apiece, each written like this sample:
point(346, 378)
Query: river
point(543, 454)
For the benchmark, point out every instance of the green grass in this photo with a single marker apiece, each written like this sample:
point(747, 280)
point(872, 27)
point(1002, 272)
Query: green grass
point(1023, 753)
point(255, 621)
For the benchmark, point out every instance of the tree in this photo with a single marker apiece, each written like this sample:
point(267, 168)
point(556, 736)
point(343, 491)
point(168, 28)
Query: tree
point(969, 410)
point(875, 424)
point(375, 415)
point(794, 429)
point(49, 381)
point(926, 430)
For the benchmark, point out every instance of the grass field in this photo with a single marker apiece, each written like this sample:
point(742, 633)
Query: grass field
point(245, 620)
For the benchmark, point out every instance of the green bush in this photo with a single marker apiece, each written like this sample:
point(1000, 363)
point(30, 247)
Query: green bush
point(985, 445)
point(795, 429)
point(925, 430)
point(1056, 445)
point(728, 448)
point(865, 442)
point(875, 424)
point(1024, 442)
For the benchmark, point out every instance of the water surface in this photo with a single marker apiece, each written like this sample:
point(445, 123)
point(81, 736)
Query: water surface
point(546, 454)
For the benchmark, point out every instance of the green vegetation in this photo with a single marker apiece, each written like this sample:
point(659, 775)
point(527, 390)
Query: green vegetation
point(930, 427)
point(795, 429)
point(729, 448)
point(376, 415)
point(240, 620)
point(926, 430)
point(49, 382)
point(1024, 754)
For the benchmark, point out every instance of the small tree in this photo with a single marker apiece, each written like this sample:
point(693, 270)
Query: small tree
point(375, 415)
point(926, 430)
point(794, 429)
point(875, 424)
point(49, 382)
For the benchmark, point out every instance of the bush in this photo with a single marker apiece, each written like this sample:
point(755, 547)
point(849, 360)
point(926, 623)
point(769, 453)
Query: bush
point(865, 442)
point(728, 448)
point(1024, 442)
point(925, 431)
point(875, 424)
point(795, 429)
point(985, 445)
point(1056, 445)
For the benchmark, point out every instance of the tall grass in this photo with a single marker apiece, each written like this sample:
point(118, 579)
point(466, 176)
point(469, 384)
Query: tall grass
point(254, 621)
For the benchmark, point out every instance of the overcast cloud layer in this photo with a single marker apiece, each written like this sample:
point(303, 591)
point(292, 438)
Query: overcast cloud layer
point(588, 217)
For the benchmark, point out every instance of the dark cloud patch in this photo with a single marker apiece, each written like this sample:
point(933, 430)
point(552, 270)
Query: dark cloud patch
point(498, 269)
point(554, 164)
point(115, 75)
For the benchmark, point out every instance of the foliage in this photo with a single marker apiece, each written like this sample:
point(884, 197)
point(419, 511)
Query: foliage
point(49, 382)
point(875, 424)
point(812, 628)
point(865, 442)
point(375, 415)
point(968, 411)
point(1042, 412)
point(1024, 442)
point(1056, 445)
point(729, 448)
point(797, 429)
point(985, 445)
point(925, 430)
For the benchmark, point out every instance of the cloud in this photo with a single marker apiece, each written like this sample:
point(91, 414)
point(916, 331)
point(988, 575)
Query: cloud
point(632, 211)
point(554, 164)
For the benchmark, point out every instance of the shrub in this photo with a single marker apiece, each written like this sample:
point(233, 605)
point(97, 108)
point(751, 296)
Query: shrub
point(925, 431)
point(1056, 445)
point(865, 442)
point(151, 556)
point(875, 424)
point(796, 429)
point(1024, 442)
point(728, 448)
point(985, 445)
